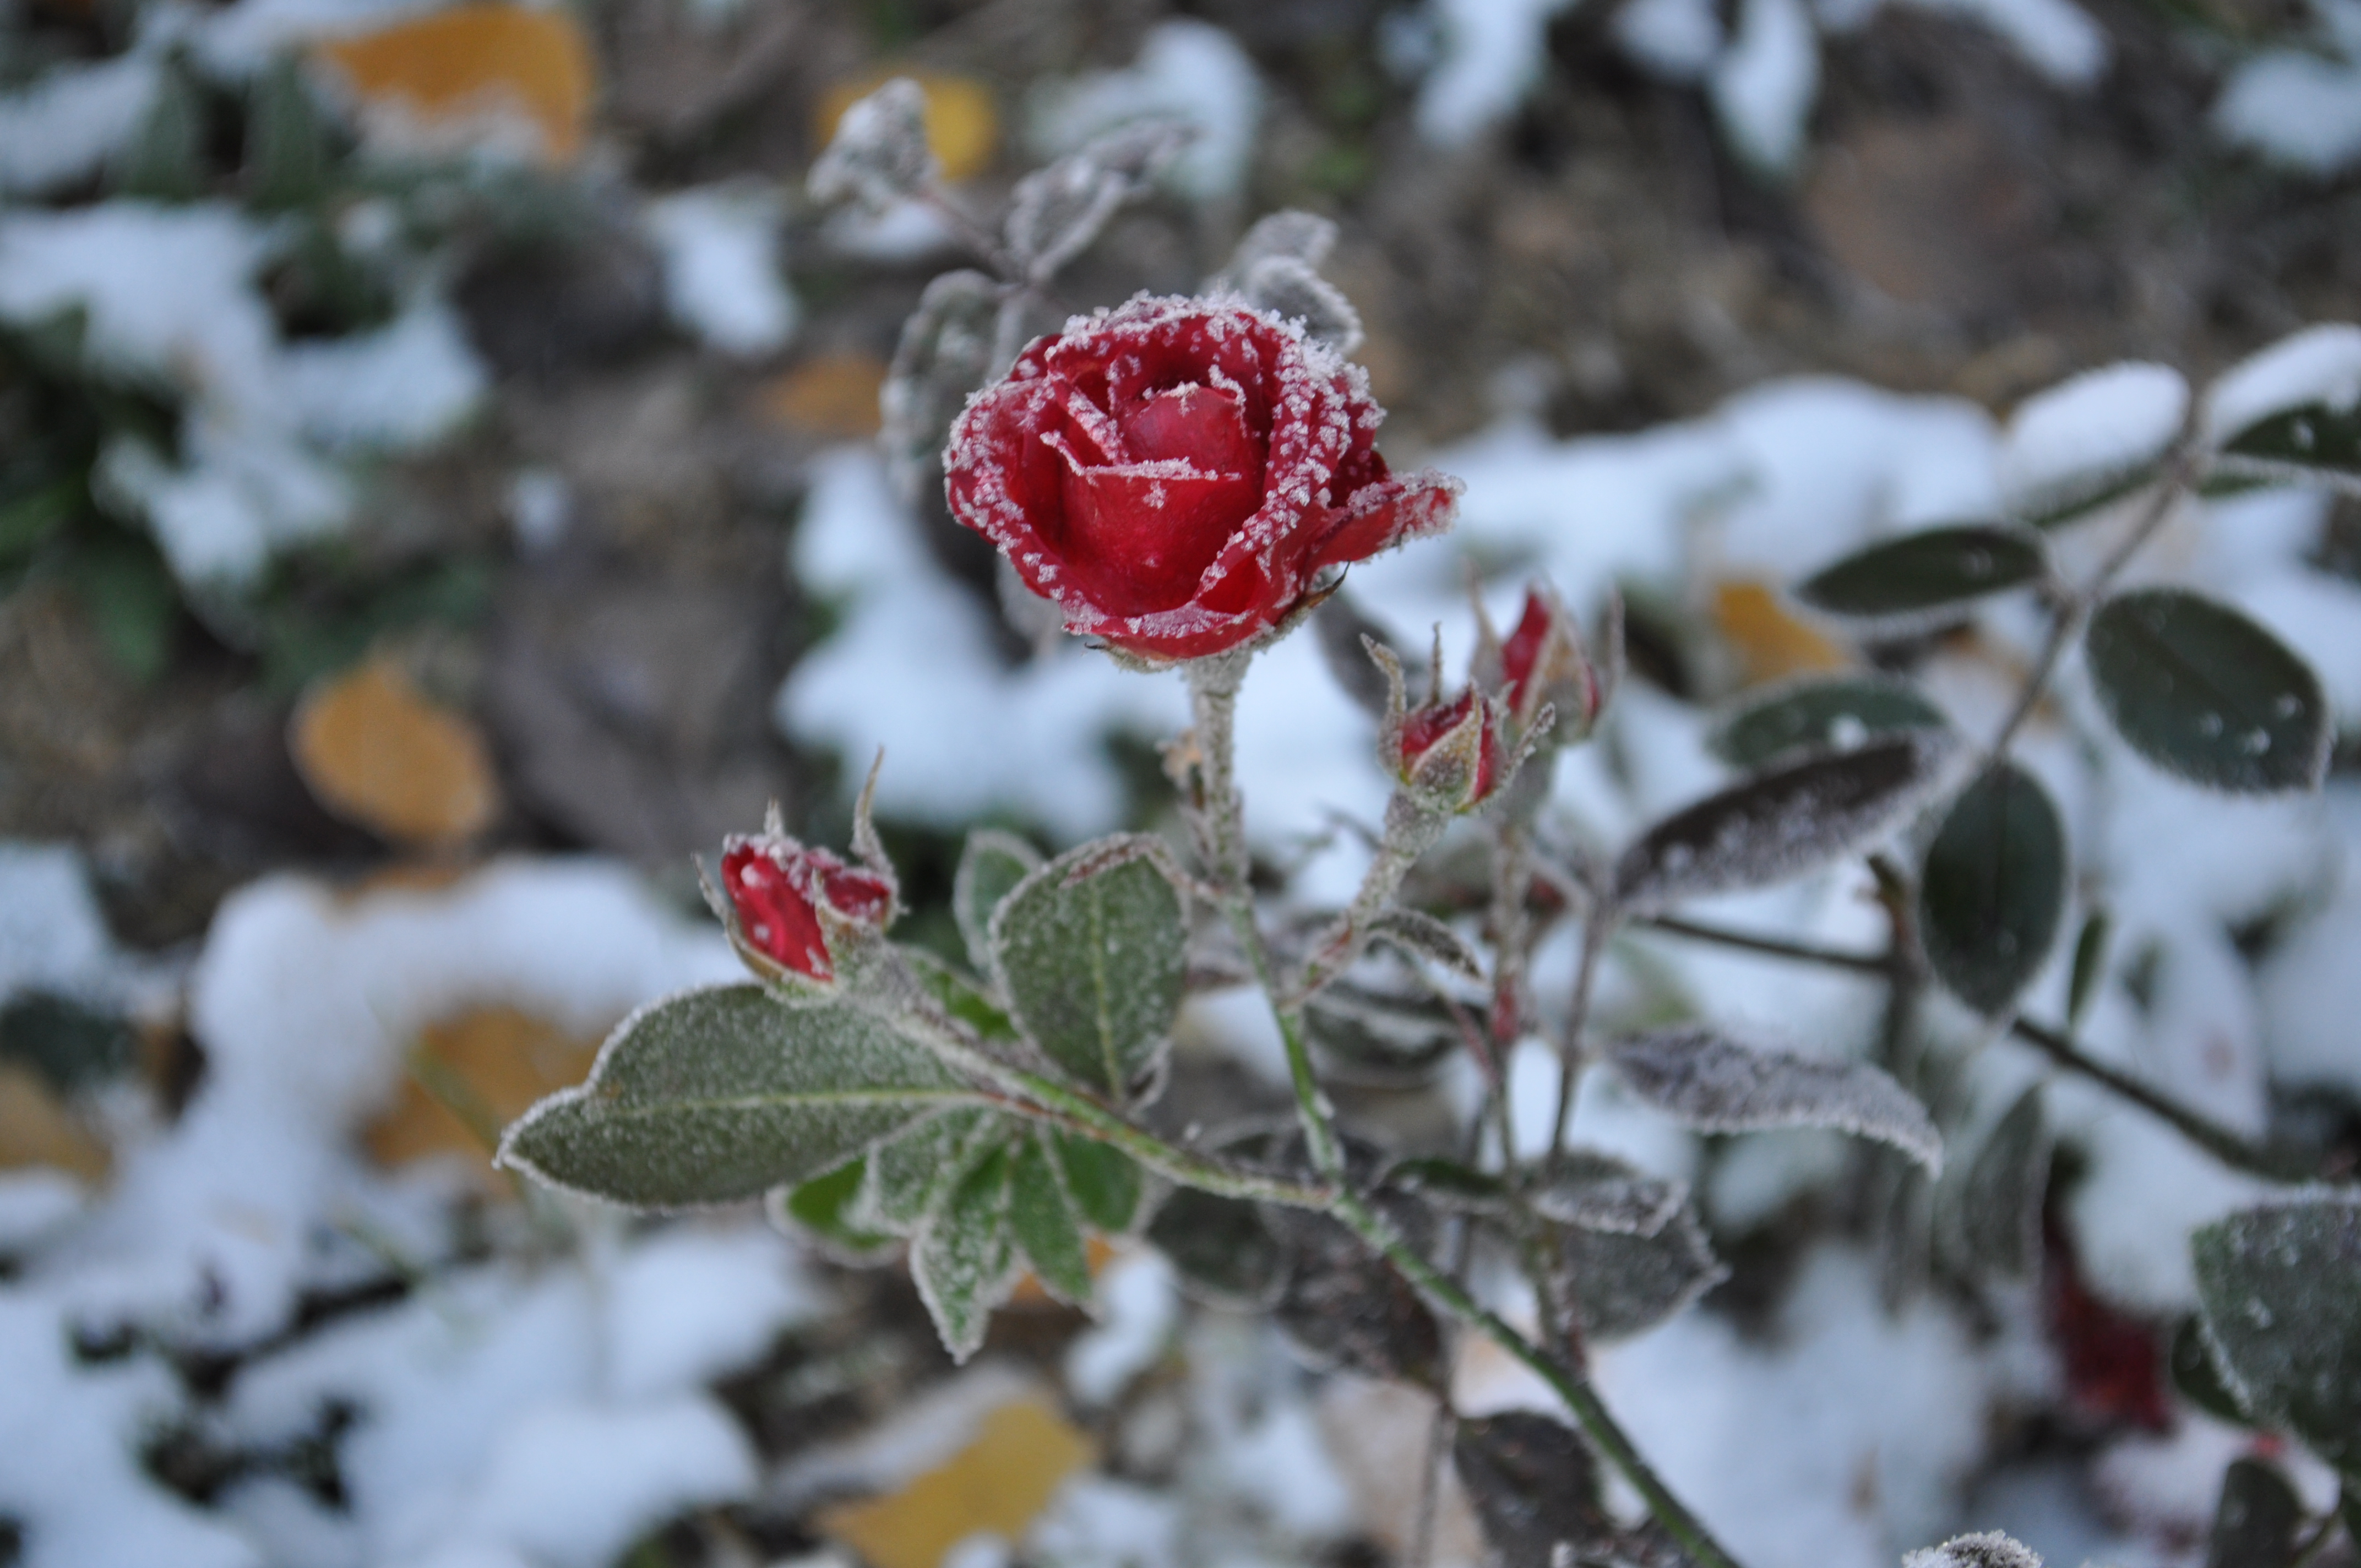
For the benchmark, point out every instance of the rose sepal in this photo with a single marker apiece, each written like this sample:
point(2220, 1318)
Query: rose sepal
point(1448, 755)
point(804, 923)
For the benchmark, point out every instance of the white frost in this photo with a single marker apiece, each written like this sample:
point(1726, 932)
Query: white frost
point(2319, 365)
point(2091, 427)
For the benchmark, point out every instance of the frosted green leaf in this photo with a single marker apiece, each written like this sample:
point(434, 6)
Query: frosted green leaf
point(907, 1175)
point(1093, 962)
point(2280, 1287)
point(1820, 715)
point(1043, 1219)
point(2313, 444)
point(2258, 1521)
point(1926, 573)
point(1779, 824)
point(963, 1262)
point(1993, 889)
point(718, 1094)
point(1717, 1085)
point(1104, 1183)
point(2202, 691)
point(1621, 1285)
point(1995, 1205)
point(824, 1208)
point(1351, 1308)
point(1534, 1487)
point(2197, 1379)
point(1599, 1192)
point(990, 867)
point(960, 997)
point(1223, 1248)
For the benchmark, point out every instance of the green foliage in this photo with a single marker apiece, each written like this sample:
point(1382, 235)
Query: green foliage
point(2309, 444)
point(1934, 570)
point(1994, 1209)
point(2257, 1522)
point(1819, 714)
point(965, 1260)
point(1092, 957)
point(2202, 691)
point(1779, 824)
point(990, 867)
point(2280, 1287)
point(1993, 890)
point(2189, 1363)
point(721, 1095)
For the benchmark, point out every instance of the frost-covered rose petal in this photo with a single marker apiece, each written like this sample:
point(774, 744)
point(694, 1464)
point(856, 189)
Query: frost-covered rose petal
point(1176, 472)
point(787, 901)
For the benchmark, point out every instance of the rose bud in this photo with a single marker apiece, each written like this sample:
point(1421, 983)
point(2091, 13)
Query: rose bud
point(797, 915)
point(1179, 476)
point(1543, 665)
point(1449, 753)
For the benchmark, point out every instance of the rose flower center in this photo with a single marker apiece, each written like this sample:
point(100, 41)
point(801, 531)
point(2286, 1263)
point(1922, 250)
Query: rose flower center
point(1153, 491)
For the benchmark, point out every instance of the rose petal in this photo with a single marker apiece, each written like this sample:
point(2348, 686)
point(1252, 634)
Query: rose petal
point(1204, 425)
point(1383, 515)
point(1143, 534)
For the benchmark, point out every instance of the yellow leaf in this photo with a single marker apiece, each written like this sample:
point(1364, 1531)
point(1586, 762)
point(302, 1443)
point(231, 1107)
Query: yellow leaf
point(471, 1076)
point(829, 395)
point(472, 74)
point(1097, 1253)
point(36, 1128)
point(962, 125)
point(1771, 644)
point(375, 750)
point(998, 1483)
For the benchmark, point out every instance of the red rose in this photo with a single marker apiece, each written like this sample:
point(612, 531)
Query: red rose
point(795, 908)
point(1176, 472)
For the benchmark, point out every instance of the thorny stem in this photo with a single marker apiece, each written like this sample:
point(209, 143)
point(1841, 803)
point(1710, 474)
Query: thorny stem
point(2231, 1148)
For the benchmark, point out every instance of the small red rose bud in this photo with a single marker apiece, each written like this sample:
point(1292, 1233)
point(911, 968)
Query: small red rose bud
point(1542, 664)
point(793, 911)
point(1450, 751)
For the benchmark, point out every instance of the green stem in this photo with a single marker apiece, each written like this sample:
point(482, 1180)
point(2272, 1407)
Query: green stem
point(1596, 1422)
point(1596, 925)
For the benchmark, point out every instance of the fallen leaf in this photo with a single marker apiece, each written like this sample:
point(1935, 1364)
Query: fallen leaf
point(961, 125)
point(471, 1076)
point(830, 395)
point(1771, 644)
point(375, 750)
point(36, 1128)
point(471, 76)
point(998, 1483)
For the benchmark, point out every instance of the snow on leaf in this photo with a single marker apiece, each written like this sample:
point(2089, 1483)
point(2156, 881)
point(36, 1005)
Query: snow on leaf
point(717, 1094)
point(2320, 365)
point(1990, 1550)
point(1780, 823)
point(2089, 439)
point(2280, 1285)
point(1718, 1086)
point(1093, 969)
